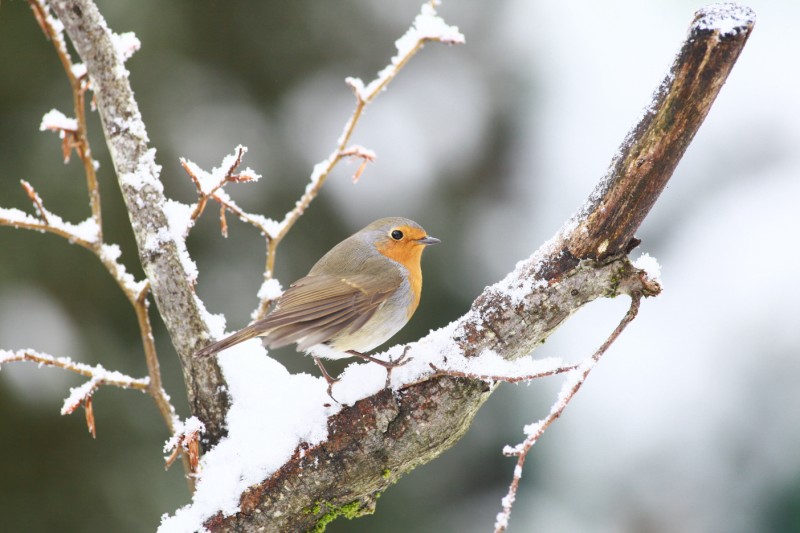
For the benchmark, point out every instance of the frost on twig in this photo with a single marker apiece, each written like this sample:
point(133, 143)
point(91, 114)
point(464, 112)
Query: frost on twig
point(186, 440)
point(427, 27)
point(67, 129)
point(364, 154)
point(574, 380)
point(210, 185)
point(81, 395)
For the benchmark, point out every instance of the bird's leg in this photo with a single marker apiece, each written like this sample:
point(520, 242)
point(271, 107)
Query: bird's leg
point(328, 378)
point(388, 365)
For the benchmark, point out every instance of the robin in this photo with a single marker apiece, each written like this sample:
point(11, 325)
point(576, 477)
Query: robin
point(356, 297)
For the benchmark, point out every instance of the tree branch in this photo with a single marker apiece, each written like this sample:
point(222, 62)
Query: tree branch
point(652, 149)
point(161, 253)
point(380, 438)
point(569, 389)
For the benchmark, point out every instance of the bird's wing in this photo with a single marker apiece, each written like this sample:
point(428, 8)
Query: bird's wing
point(316, 308)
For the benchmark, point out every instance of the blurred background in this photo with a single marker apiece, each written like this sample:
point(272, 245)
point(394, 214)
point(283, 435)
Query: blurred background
point(691, 422)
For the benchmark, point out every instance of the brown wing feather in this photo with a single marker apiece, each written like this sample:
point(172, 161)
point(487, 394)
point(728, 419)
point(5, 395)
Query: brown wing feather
point(315, 309)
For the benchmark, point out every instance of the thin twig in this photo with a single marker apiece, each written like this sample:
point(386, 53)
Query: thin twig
point(505, 379)
point(36, 200)
point(43, 227)
point(78, 85)
point(103, 376)
point(364, 96)
point(81, 395)
point(205, 196)
point(571, 386)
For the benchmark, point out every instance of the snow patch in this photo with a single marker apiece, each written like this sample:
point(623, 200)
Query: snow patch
point(55, 120)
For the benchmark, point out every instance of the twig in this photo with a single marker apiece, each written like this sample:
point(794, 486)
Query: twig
point(359, 152)
point(37, 201)
point(427, 27)
point(81, 395)
point(78, 85)
point(572, 384)
point(186, 439)
point(505, 379)
point(206, 192)
point(155, 386)
point(96, 372)
point(15, 218)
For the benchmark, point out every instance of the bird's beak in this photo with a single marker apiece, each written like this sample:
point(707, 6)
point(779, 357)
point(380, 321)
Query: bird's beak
point(427, 240)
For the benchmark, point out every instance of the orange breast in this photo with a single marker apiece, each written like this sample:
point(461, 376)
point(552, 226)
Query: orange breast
point(409, 255)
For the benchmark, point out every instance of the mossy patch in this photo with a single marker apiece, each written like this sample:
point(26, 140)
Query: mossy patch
point(349, 510)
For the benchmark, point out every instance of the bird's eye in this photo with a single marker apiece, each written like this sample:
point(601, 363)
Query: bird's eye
point(397, 234)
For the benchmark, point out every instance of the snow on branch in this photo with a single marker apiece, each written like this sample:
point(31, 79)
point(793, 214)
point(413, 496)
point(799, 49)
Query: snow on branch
point(210, 185)
point(81, 395)
point(55, 120)
point(569, 388)
point(85, 234)
point(185, 440)
point(96, 372)
point(427, 27)
point(162, 250)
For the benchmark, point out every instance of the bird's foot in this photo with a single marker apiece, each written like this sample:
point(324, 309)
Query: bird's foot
point(388, 365)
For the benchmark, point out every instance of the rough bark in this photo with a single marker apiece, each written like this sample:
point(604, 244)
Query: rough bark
point(138, 176)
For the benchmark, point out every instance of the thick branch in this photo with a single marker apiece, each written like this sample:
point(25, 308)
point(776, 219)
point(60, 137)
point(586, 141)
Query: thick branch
point(651, 151)
point(380, 438)
point(160, 254)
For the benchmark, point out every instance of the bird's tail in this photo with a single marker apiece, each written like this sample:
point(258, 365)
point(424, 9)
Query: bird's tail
point(240, 336)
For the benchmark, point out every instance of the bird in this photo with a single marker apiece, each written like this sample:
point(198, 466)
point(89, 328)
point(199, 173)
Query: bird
point(355, 298)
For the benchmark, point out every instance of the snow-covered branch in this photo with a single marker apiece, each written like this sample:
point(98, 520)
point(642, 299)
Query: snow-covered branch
point(350, 453)
point(569, 389)
point(81, 395)
point(163, 254)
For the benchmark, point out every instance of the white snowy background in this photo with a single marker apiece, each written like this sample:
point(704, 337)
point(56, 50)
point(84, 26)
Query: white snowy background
point(690, 423)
